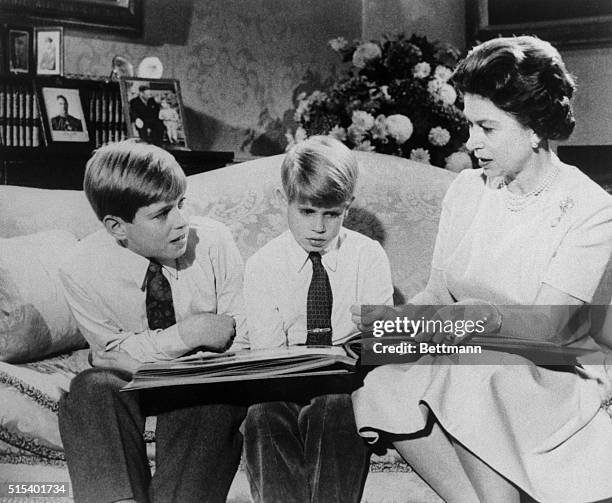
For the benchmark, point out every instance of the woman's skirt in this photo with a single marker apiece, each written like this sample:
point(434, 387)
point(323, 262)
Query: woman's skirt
point(544, 430)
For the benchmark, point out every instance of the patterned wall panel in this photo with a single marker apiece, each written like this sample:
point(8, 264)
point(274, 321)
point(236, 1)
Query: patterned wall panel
point(240, 65)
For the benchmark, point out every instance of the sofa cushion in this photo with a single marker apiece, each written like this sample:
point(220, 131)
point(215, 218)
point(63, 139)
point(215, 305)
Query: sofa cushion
point(26, 210)
point(35, 320)
point(29, 427)
point(397, 203)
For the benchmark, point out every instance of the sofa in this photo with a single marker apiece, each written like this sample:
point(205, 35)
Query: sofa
point(398, 203)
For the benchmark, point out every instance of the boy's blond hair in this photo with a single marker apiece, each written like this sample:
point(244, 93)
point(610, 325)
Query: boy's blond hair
point(122, 177)
point(320, 170)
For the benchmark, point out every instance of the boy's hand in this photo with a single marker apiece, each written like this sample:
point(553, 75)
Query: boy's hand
point(208, 331)
point(218, 332)
point(116, 360)
point(365, 316)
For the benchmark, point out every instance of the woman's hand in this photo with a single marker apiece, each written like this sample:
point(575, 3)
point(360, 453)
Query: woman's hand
point(456, 323)
point(364, 316)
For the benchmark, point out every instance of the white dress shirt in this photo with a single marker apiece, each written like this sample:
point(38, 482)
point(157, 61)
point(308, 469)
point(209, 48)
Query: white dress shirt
point(277, 278)
point(105, 287)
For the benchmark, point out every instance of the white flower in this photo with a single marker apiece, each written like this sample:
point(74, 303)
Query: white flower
point(448, 94)
point(442, 91)
point(442, 73)
point(380, 130)
point(433, 86)
point(300, 134)
point(362, 120)
point(438, 136)
point(292, 139)
point(399, 127)
point(317, 96)
point(421, 70)
point(458, 161)
point(302, 112)
point(419, 155)
point(385, 92)
point(338, 132)
point(366, 52)
point(338, 43)
point(364, 146)
point(355, 133)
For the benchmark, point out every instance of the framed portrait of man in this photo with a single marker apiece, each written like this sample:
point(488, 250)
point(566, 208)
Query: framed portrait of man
point(153, 111)
point(49, 51)
point(63, 115)
point(18, 51)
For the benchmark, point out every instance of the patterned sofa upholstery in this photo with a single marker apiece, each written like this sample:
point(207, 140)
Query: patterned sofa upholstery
point(398, 203)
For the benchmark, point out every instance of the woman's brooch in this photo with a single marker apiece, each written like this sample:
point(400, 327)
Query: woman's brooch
point(565, 205)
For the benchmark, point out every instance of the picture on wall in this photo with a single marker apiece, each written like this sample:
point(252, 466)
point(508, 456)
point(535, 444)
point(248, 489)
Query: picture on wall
point(49, 51)
point(153, 111)
point(19, 49)
point(63, 115)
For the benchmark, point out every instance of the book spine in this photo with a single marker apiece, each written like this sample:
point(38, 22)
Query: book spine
point(2, 114)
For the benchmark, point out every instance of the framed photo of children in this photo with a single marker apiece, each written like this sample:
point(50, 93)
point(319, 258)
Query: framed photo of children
point(49, 51)
point(153, 111)
point(63, 116)
point(18, 49)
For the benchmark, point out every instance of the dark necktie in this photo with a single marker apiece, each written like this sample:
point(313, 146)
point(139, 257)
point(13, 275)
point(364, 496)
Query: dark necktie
point(160, 309)
point(318, 304)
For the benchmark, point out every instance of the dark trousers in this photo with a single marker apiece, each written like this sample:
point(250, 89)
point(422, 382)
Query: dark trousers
point(198, 446)
point(305, 451)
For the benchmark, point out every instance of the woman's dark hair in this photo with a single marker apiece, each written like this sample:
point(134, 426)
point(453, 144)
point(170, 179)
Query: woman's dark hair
point(524, 76)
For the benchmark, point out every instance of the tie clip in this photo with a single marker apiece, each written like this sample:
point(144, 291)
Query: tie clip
point(318, 330)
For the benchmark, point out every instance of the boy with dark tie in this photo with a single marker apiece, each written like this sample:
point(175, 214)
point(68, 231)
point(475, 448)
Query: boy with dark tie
point(150, 286)
point(298, 290)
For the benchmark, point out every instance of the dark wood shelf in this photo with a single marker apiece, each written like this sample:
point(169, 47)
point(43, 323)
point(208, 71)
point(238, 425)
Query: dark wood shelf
point(61, 168)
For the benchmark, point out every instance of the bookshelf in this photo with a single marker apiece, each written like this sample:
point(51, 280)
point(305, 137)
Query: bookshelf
point(27, 159)
point(20, 123)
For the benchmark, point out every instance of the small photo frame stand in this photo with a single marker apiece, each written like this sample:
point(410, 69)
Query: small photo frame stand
point(64, 113)
point(153, 111)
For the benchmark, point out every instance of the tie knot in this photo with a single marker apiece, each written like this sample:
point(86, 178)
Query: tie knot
point(154, 267)
point(315, 257)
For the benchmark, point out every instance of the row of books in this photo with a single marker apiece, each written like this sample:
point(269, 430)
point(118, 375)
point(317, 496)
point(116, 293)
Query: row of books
point(20, 118)
point(106, 116)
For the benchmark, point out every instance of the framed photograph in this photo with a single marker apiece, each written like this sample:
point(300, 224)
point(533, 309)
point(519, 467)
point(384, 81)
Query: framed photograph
point(118, 16)
point(63, 115)
point(565, 23)
point(153, 111)
point(18, 51)
point(49, 51)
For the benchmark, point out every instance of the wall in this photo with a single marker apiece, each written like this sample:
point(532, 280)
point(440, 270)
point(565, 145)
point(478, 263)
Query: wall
point(239, 63)
point(593, 105)
point(442, 20)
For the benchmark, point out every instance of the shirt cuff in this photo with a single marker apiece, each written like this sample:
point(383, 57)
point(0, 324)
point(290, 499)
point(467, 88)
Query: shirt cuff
point(170, 342)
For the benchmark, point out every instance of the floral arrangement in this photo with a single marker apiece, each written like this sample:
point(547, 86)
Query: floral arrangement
point(395, 98)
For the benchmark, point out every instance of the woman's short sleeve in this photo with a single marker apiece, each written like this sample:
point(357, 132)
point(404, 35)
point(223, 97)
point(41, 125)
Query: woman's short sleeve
point(580, 261)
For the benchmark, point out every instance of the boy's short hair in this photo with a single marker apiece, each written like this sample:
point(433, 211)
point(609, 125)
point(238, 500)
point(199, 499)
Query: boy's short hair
point(320, 170)
point(121, 178)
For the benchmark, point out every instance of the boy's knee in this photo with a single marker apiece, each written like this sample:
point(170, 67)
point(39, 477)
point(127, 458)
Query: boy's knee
point(255, 417)
point(333, 403)
point(267, 416)
point(93, 382)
